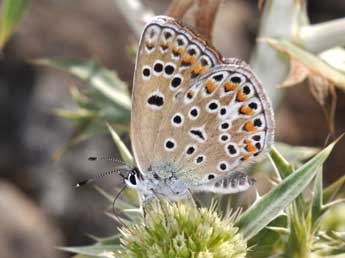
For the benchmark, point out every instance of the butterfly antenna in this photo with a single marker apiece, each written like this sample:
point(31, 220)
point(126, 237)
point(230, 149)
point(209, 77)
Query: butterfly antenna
point(114, 202)
point(94, 158)
point(107, 173)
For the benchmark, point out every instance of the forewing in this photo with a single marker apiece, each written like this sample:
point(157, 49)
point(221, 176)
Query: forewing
point(169, 58)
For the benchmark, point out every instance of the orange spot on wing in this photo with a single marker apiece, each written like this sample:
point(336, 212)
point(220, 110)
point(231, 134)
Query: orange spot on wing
point(210, 86)
point(190, 94)
point(249, 126)
point(189, 59)
point(229, 86)
point(241, 96)
point(149, 45)
point(245, 157)
point(163, 44)
point(246, 110)
point(250, 146)
point(198, 69)
point(178, 50)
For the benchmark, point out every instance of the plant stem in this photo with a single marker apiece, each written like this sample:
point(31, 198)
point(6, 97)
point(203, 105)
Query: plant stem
point(136, 14)
point(319, 37)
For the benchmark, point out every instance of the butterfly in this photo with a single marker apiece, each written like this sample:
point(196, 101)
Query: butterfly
point(197, 118)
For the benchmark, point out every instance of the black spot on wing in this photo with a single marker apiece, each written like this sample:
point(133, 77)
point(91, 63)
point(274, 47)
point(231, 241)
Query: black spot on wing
point(198, 133)
point(156, 100)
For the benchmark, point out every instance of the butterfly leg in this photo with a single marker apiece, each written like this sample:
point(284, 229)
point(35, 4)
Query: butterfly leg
point(145, 202)
point(163, 208)
point(191, 199)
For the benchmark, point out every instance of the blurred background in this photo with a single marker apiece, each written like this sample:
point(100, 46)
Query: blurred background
point(39, 206)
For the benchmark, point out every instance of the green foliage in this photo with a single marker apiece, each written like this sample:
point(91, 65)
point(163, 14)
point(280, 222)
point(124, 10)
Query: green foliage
point(182, 230)
point(12, 12)
point(105, 100)
point(273, 203)
point(286, 222)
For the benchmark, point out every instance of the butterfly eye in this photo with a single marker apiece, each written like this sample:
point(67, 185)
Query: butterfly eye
point(132, 179)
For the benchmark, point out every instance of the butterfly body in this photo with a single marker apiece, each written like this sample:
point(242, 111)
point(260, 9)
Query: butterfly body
point(197, 118)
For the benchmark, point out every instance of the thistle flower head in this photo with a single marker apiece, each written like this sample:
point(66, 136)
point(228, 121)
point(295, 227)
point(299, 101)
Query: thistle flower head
point(181, 230)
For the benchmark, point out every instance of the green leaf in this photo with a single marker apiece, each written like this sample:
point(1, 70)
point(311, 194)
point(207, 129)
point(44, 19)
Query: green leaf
point(124, 152)
point(103, 80)
point(292, 155)
point(112, 240)
point(317, 199)
point(312, 62)
point(283, 166)
point(269, 207)
point(267, 241)
point(83, 256)
point(295, 153)
point(332, 191)
point(93, 250)
point(12, 12)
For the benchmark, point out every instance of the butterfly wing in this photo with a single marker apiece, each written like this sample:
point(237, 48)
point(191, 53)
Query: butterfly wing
point(227, 122)
point(194, 114)
point(169, 57)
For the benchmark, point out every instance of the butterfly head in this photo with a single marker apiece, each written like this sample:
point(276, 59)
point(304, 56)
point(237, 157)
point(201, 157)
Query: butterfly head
point(153, 185)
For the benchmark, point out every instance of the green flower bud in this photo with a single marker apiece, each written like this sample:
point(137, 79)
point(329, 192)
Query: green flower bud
point(182, 231)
